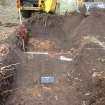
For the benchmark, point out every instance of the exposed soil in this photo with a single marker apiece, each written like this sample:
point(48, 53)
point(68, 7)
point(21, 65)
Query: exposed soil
point(58, 29)
point(80, 81)
point(7, 70)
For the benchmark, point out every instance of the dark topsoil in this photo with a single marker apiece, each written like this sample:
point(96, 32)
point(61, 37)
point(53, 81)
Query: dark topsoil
point(79, 82)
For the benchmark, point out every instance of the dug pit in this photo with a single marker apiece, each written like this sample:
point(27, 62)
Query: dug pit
point(74, 37)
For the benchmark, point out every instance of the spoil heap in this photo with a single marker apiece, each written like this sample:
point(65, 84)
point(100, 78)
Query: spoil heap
point(7, 71)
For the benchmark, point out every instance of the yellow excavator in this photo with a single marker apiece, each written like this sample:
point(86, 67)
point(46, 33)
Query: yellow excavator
point(27, 7)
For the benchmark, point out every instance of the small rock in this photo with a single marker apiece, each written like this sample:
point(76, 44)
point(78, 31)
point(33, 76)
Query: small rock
point(87, 94)
point(102, 60)
point(94, 69)
point(56, 97)
point(96, 78)
point(63, 58)
point(84, 103)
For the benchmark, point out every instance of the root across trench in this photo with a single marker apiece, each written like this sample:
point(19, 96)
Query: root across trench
point(69, 48)
point(7, 70)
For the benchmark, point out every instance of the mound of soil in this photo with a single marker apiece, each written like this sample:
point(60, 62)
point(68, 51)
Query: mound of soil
point(93, 25)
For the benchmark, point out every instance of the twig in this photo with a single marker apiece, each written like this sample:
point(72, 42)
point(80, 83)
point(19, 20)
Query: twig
point(11, 69)
point(6, 77)
point(4, 67)
point(8, 91)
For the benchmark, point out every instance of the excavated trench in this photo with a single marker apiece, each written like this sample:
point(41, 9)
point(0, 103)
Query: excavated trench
point(70, 49)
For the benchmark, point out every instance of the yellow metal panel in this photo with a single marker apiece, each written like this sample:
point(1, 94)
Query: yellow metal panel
point(53, 7)
point(40, 5)
point(48, 4)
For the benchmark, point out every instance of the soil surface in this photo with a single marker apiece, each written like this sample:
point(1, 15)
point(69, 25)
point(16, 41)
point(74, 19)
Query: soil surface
point(8, 18)
point(75, 57)
point(70, 48)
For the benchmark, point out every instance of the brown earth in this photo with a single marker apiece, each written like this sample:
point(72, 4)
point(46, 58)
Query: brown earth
point(7, 70)
point(78, 82)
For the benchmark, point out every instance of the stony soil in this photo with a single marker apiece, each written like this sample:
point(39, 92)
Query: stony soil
point(79, 81)
point(8, 18)
point(8, 24)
